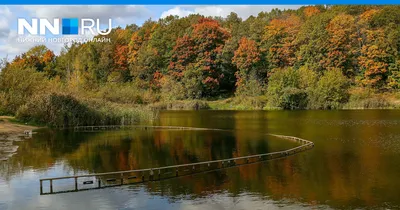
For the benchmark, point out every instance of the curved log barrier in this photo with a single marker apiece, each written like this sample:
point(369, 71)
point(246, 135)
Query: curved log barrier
point(118, 178)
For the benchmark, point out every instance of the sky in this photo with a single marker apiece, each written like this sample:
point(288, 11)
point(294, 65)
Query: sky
point(121, 16)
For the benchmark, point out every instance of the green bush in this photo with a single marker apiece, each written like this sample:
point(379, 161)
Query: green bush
point(18, 85)
point(251, 87)
point(172, 89)
point(284, 90)
point(121, 93)
point(331, 91)
point(293, 98)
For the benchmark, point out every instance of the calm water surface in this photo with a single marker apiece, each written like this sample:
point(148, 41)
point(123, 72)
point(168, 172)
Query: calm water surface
point(355, 163)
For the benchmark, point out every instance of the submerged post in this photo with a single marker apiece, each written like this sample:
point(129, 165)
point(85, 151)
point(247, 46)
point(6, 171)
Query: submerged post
point(41, 186)
point(151, 177)
point(76, 183)
point(51, 186)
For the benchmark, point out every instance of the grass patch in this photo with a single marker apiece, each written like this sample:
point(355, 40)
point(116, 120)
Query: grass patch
point(64, 110)
point(240, 103)
point(368, 99)
point(29, 123)
point(180, 105)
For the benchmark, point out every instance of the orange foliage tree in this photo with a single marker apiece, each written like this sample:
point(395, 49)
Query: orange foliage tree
point(280, 37)
point(202, 51)
point(245, 58)
point(311, 11)
point(342, 44)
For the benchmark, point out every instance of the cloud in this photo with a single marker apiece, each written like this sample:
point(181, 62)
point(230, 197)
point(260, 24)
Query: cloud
point(223, 11)
point(5, 15)
point(178, 11)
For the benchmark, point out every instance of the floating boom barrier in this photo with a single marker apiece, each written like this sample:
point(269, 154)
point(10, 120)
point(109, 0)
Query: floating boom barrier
point(118, 178)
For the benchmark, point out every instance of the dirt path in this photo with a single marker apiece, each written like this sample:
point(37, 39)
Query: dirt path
point(9, 128)
point(10, 132)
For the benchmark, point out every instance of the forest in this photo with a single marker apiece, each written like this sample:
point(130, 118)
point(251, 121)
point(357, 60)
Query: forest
point(315, 57)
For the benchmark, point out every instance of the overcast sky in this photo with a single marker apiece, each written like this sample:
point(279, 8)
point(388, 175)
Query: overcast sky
point(121, 15)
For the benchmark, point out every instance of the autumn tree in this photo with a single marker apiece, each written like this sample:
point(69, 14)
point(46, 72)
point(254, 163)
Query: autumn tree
point(374, 59)
point(312, 39)
point(311, 11)
point(280, 36)
point(375, 55)
point(202, 49)
point(246, 58)
point(342, 44)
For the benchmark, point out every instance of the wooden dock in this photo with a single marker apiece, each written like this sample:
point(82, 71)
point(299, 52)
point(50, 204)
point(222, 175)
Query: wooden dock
point(118, 178)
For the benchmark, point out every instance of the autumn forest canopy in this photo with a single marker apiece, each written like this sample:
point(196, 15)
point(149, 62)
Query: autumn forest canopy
point(315, 57)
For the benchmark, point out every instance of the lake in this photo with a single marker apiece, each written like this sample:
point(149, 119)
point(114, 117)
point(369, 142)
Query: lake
point(355, 162)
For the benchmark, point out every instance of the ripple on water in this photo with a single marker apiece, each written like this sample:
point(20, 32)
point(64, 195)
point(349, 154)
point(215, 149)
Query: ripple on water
point(386, 142)
point(7, 149)
point(353, 122)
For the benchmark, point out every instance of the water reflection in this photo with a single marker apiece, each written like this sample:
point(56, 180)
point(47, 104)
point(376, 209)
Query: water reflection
point(355, 162)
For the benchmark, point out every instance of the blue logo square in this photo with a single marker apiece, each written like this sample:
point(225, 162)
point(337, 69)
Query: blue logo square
point(70, 26)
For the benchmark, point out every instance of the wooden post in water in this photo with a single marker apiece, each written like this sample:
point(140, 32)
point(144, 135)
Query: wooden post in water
point(151, 177)
point(41, 186)
point(76, 183)
point(51, 186)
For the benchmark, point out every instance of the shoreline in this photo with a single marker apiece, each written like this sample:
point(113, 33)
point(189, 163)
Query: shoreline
point(9, 133)
point(7, 127)
point(257, 104)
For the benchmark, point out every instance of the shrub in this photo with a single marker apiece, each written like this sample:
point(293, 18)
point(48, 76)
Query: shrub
point(284, 90)
point(18, 85)
point(171, 89)
point(192, 84)
point(331, 91)
point(250, 87)
point(121, 93)
point(293, 98)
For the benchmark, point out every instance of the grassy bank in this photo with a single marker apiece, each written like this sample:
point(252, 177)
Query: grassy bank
point(64, 110)
point(180, 105)
point(359, 99)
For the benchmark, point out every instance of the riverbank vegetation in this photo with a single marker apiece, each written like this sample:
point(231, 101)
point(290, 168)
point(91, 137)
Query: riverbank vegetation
point(315, 57)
